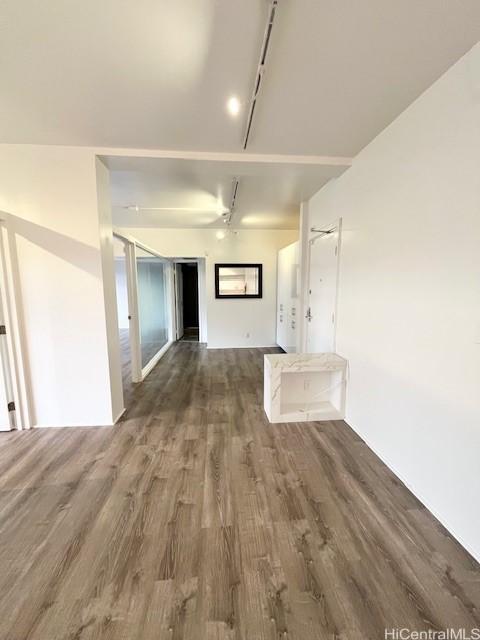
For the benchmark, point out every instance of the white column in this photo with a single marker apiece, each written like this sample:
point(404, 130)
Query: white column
point(303, 260)
point(49, 195)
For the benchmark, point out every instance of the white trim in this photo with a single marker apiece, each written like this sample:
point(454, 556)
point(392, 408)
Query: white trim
point(154, 361)
point(133, 325)
point(201, 263)
point(16, 341)
point(474, 553)
point(303, 263)
point(218, 156)
point(202, 301)
point(7, 378)
point(75, 426)
point(139, 373)
point(131, 239)
point(176, 289)
point(134, 320)
point(171, 298)
point(273, 345)
point(122, 412)
point(311, 239)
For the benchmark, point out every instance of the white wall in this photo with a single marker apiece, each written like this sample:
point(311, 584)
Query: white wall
point(229, 321)
point(51, 197)
point(109, 287)
point(202, 300)
point(409, 296)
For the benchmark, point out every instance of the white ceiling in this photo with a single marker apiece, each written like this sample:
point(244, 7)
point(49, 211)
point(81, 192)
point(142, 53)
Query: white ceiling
point(268, 196)
point(157, 73)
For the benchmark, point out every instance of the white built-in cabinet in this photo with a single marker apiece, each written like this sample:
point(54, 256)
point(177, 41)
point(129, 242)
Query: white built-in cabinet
point(288, 290)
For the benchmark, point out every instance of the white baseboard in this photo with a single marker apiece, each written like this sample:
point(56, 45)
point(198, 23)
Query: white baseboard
point(245, 346)
point(474, 553)
point(80, 425)
point(148, 368)
point(72, 426)
point(119, 416)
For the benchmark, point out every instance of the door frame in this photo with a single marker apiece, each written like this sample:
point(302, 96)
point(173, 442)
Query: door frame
point(202, 294)
point(315, 234)
point(132, 300)
point(15, 363)
point(176, 266)
point(139, 373)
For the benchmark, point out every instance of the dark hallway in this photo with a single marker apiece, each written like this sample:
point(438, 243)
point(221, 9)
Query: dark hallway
point(190, 301)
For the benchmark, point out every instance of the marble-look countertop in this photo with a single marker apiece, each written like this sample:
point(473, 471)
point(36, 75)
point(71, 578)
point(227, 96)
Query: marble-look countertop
point(305, 361)
point(327, 373)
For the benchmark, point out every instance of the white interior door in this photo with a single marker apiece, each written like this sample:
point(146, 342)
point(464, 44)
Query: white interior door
point(4, 413)
point(6, 387)
point(322, 292)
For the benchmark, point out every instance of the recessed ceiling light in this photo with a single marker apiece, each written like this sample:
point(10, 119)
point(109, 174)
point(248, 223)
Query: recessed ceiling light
point(233, 106)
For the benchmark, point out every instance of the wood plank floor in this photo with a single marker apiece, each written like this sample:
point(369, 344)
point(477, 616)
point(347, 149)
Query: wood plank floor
point(190, 334)
point(194, 518)
point(127, 384)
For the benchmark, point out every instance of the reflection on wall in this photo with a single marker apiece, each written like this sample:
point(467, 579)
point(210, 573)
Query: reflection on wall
point(122, 292)
point(152, 304)
point(237, 281)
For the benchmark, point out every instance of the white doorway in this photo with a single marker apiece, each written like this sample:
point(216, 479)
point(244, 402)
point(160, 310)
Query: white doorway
point(126, 328)
point(187, 301)
point(323, 254)
point(14, 394)
point(179, 301)
point(145, 298)
point(7, 403)
point(190, 299)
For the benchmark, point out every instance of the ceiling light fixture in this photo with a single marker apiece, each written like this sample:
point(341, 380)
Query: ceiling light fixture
point(260, 69)
point(233, 106)
point(218, 210)
point(228, 215)
point(222, 234)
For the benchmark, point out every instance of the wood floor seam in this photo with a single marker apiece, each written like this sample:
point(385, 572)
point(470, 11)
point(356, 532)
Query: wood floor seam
point(195, 519)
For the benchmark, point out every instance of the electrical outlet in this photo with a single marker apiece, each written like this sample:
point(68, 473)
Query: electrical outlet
point(247, 335)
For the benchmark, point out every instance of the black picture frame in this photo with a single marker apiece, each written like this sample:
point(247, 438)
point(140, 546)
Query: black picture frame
point(230, 265)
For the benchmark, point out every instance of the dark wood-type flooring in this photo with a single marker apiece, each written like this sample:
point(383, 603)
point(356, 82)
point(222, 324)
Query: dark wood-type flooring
point(128, 386)
point(194, 518)
point(190, 334)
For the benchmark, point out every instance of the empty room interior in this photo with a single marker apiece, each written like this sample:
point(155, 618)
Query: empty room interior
point(240, 320)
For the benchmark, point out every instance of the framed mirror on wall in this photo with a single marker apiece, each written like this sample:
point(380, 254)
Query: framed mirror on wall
point(233, 280)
